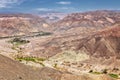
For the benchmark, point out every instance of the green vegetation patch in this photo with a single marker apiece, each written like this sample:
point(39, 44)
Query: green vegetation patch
point(91, 71)
point(96, 72)
point(43, 34)
point(105, 72)
point(37, 34)
point(114, 76)
point(55, 65)
point(33, 59)
point(18, 41)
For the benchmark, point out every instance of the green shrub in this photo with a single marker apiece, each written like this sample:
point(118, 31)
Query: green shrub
point(55, 65)
point(43, 34)
point(33, 59)
point(42, 64)
point(104, 71)
point(30, 59)
point(114, 75)
point(40, 59)
point(26, 59)
point(96, 72)
point(90, 71)
point(115, 69)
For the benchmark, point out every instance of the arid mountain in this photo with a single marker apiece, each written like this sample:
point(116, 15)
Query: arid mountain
point(97, 52)
point(102, 43)
point(19, 24)
point(96, 19)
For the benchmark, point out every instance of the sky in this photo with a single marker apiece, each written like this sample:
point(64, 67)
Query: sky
point(67, 6)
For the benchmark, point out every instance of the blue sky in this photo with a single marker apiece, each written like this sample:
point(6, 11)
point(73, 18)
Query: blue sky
point(29, 6)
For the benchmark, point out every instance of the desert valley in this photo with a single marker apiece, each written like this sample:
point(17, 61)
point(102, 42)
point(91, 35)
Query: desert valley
point(76, 46)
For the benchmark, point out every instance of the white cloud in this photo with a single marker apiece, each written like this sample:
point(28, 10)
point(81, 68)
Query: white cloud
point(44, 9)
point(55, 9)
point(64, 2)
point(8, 3)
point(66, 8)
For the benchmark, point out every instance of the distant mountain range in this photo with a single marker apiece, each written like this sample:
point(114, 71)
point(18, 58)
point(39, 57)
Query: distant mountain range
point(96, 19)
point(20, 23)
point(52, 16)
